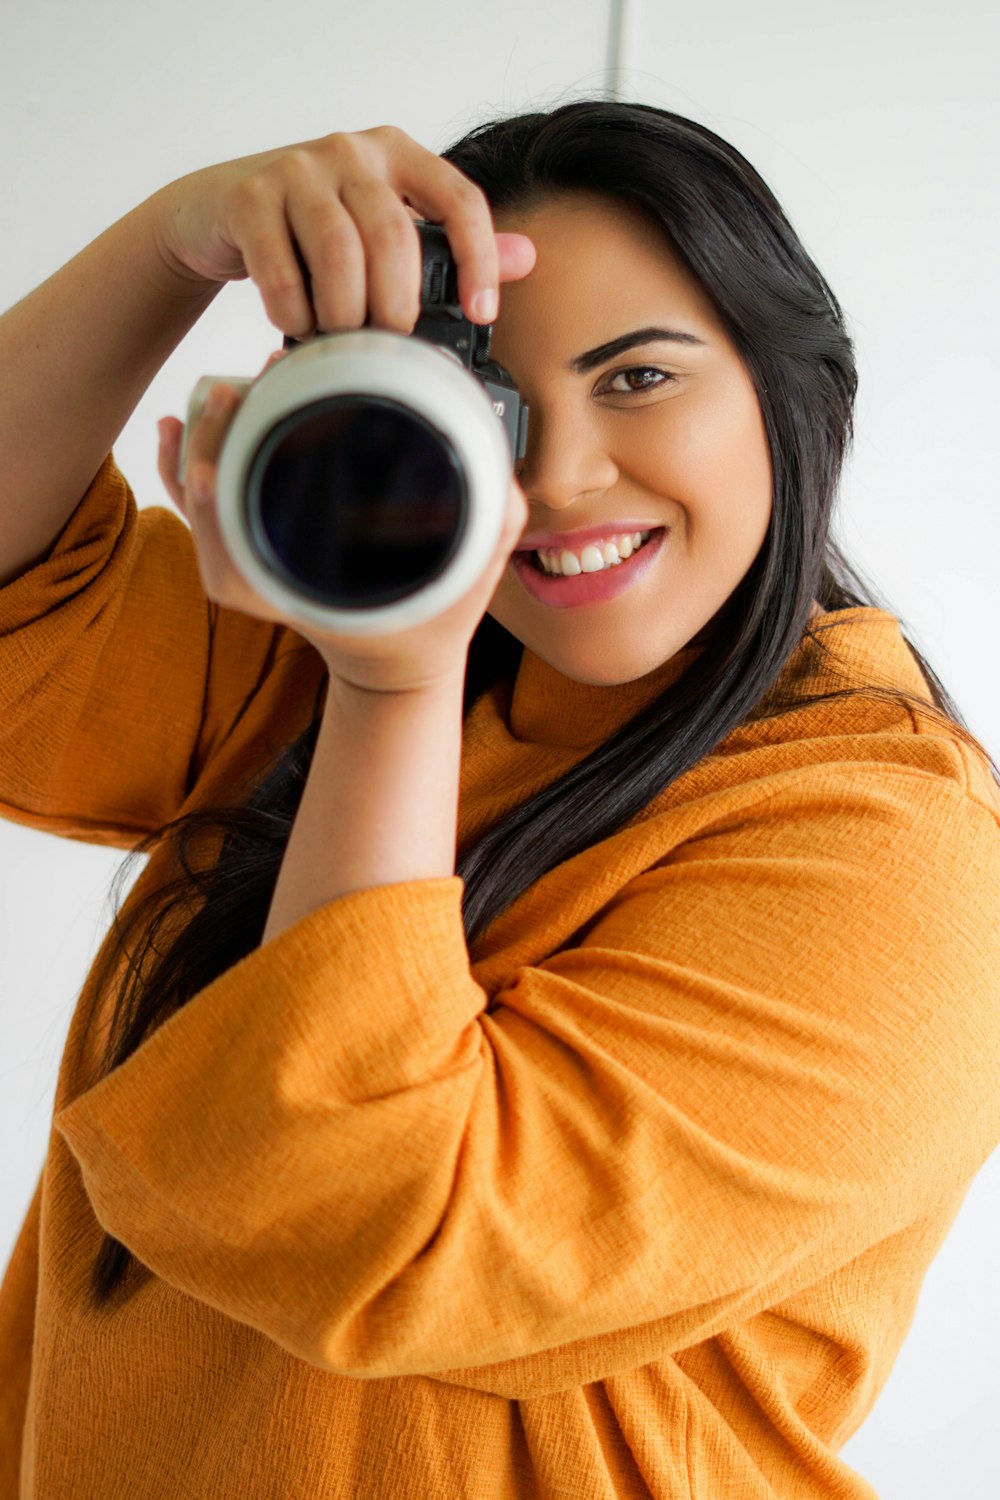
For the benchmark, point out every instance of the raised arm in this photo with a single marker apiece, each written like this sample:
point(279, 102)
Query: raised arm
point(78, 353)
point(112, 642)
point(76, 356)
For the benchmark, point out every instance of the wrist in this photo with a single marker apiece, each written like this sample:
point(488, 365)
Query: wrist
point(172, 274)
point(393, 682)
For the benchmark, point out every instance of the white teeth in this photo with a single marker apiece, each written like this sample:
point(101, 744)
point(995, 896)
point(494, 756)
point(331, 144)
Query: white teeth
point(592, 558)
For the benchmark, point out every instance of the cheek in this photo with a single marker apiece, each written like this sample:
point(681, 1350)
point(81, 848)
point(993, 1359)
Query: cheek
point(711, 461)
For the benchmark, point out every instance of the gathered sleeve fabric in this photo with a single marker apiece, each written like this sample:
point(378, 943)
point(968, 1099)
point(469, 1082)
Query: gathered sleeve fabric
point(17, 1328)
point(119, 679)
point(769, 1050)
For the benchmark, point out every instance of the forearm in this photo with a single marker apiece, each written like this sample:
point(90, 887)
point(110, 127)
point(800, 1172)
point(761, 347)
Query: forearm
point(380, 804)
point(76, 356)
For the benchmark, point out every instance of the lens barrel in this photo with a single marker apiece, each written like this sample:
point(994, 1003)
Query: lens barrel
point(362, 483)
point(356, 501)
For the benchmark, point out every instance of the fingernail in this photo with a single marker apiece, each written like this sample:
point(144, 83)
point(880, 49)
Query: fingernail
point(484, 305)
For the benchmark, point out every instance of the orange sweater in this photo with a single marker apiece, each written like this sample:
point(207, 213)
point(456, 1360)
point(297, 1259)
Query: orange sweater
point(636, 1200)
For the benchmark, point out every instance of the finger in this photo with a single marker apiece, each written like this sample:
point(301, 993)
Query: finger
point(442, 193)
point(168, 459)
point(332, 250)
point(206, 438)
point(516, 255)
point(392, 253)
point(265, 240)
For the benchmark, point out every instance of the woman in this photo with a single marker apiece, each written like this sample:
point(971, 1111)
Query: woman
point(547, 1046)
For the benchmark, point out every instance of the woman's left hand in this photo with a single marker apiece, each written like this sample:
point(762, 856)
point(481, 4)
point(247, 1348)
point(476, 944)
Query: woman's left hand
point(404, 661)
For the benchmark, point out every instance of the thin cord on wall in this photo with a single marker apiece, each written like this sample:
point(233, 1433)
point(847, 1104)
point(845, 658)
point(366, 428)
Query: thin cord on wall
point(621, 28)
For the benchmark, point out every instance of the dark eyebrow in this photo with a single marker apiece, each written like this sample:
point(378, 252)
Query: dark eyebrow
point(582, 364)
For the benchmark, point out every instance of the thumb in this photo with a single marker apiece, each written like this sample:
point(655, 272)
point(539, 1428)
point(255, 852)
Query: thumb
point(170, 430)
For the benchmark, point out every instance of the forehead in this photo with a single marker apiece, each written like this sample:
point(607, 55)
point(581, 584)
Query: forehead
point(601, 261)
point(571, 212)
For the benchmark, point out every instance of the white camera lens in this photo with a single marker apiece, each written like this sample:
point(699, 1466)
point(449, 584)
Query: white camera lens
point(362, 483)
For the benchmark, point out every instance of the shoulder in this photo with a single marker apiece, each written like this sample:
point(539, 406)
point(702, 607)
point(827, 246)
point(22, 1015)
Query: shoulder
point(853, 701)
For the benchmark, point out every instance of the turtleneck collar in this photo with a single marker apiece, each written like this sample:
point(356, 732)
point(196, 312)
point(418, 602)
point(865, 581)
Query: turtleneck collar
point(550, 709)
point(547, 708)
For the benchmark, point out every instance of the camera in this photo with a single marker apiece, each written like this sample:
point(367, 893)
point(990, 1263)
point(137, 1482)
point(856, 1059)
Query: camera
point(362, 483)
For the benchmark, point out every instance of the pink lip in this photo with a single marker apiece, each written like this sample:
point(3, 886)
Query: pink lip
point(587, 588)
point(583, 534)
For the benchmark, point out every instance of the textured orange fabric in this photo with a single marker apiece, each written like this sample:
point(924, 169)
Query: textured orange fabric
point(634, 1200)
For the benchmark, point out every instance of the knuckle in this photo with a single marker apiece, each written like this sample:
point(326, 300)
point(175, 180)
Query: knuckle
point(348, 150)
point(295, 164)
point(388, 134)
point(247, 195)
point(281, 285)
point(393, 232)
point(334, 248)
point(326, 223)
point(330, 151)
point(468, 194)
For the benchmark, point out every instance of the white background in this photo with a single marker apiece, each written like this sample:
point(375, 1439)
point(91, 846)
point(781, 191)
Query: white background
point(875, 124)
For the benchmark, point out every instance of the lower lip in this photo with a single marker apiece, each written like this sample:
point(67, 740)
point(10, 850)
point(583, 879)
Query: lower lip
point(587, 588)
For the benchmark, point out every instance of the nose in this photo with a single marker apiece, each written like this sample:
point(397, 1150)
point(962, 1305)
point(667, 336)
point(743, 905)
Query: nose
point(565, 460)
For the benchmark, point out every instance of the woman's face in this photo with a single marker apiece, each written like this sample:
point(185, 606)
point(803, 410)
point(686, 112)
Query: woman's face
point(665, 436)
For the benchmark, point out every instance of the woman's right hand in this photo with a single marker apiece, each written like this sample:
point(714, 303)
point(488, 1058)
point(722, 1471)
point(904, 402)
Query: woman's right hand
point(348, 202)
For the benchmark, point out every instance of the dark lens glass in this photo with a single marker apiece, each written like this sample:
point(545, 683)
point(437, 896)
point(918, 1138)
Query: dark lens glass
point(356, 501)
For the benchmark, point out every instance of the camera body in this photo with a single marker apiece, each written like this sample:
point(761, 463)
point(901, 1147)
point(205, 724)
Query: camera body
point(363, 481)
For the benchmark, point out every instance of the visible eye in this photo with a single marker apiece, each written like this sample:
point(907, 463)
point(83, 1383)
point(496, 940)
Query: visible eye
point(660, 376)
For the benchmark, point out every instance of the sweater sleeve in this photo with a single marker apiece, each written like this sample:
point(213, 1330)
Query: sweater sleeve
point(18, 1296)
point(769, 1052)
point(118, 677)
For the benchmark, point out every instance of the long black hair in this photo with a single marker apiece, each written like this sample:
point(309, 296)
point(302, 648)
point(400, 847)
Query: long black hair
point(788, 329)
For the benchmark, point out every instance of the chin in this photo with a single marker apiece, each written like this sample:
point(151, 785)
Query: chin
point(609, 674)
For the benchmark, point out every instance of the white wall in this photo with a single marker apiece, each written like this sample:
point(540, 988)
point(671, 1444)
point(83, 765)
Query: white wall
point(875, 123)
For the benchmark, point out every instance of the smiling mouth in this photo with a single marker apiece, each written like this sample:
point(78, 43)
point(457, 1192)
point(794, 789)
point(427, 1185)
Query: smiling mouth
point(593, 586)
point(556, 562)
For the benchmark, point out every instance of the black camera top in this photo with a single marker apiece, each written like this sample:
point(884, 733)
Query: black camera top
point(442, 320)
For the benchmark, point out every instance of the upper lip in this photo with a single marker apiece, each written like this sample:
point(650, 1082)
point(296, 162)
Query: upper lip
point(583, 534)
